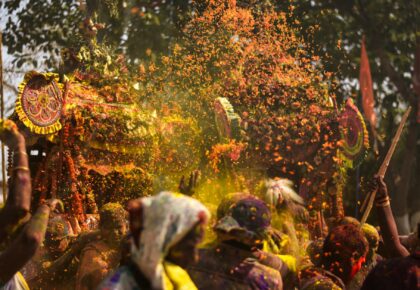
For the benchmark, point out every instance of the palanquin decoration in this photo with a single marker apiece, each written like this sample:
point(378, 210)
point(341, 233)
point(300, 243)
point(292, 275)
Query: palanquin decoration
point(88, 145)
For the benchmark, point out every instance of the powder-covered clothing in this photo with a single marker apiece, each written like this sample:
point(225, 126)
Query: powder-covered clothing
point(125, 278)
point(228, 267)
point(316, 278)
point(97, 260)
point(16, 283)
point(129, 277)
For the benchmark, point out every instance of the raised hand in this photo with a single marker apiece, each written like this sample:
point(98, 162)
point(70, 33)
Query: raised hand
point(380, 186)
point(9, 133)
point(189, 189)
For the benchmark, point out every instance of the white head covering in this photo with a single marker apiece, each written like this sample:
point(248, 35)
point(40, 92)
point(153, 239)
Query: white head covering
point(167, 218)
point(281, 188)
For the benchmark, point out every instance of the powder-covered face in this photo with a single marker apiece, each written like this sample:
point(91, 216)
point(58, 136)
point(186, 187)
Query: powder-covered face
point(113, 223)
point(116, 232)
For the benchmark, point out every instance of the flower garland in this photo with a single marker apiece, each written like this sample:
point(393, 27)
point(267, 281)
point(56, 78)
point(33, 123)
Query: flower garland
point(231, 151)
point(77, 204)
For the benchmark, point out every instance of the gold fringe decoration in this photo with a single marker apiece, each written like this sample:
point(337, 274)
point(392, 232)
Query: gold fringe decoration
point(50, 129)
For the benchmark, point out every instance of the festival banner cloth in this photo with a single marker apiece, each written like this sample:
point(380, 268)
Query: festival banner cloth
point(366, 88)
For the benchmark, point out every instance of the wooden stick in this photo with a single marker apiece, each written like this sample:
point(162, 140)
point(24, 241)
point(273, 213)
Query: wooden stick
point(368, 202)
point(3, 158)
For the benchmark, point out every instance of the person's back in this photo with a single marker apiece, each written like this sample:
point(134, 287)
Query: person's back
point(98, 259)
point(229, 267)
point(317, 278)
point(395, 274)
point(235, 260)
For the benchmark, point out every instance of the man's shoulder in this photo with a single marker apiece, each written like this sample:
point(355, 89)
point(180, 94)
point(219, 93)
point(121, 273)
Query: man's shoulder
point(316, 278)
point(222, 265)
point(230, 256)
point(396, 269)
point(401, 263)
point(98, 246)
point(396, 273)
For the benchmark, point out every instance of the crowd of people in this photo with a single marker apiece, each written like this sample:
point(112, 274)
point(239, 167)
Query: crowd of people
point(155, 242)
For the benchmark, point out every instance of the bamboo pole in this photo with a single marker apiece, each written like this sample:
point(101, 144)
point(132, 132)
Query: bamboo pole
point(368, 202)
point(3, 158)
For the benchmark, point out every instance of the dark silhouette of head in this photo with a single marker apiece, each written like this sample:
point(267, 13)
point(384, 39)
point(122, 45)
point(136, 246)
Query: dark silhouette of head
point(344, 251)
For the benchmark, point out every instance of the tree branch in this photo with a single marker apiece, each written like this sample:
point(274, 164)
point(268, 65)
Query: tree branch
point(395, 77)
point(10, 87)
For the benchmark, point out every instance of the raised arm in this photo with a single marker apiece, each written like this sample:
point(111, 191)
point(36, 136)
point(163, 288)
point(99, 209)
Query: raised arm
point(189, 189)
point(389, 231)
point(18, 202)
point(22, 249)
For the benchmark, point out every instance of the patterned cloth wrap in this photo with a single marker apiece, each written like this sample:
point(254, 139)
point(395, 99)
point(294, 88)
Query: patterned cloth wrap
point(247, 219)
point(16, 283)
point(167, 218)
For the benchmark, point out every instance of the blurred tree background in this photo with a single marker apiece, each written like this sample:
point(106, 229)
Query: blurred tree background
point(142, 29)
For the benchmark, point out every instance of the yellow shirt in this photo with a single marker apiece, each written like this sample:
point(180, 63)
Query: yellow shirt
point(176, 278)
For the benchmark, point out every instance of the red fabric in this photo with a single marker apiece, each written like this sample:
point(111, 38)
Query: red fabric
point(357, 266)
point(366, 88)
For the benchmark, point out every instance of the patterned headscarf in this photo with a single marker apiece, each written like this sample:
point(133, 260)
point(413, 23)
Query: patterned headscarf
point(167, 218)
